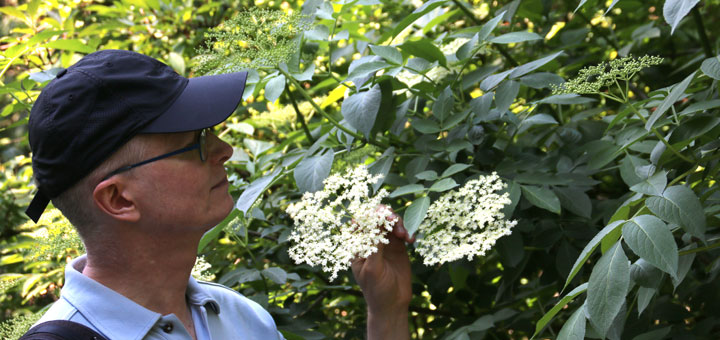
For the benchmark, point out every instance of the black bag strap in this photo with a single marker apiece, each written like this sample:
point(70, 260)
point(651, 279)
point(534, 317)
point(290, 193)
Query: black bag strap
point(61, 330)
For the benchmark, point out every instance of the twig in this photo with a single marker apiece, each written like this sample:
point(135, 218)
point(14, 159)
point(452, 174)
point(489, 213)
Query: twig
point(300, 117)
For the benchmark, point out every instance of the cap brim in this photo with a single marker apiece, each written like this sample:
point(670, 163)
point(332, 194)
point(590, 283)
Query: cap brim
point(205, 102)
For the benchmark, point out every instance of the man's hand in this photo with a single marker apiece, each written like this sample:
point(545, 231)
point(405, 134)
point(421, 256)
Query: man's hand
point(384, 278)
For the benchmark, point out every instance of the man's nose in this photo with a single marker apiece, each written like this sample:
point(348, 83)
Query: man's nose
point(218, 150)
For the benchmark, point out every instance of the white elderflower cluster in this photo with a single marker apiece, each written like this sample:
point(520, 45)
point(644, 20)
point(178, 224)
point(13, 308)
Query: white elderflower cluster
point(342, 222)
point(453, 46)
point(465, 222)
point(200, 270)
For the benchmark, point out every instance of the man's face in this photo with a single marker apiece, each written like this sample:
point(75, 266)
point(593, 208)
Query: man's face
point(181, 192)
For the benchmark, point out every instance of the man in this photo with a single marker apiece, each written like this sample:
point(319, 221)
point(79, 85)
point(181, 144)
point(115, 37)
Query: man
point(121, 146)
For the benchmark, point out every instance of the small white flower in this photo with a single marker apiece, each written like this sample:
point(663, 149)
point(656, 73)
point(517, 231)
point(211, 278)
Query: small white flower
point(342, 222)
point(200, 270)
point(465, 222)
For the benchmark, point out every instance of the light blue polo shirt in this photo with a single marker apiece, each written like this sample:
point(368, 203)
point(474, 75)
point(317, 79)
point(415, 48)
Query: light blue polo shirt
point(218, 312)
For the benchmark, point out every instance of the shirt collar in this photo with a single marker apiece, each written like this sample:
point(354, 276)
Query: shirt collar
point(196, 295)
point(100, 304)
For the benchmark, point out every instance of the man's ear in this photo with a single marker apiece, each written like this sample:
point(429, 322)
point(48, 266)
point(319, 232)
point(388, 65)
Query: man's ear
point(112, 197)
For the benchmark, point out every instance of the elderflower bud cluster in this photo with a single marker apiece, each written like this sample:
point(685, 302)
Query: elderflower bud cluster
point(340, 223)
point(591, 79)
point(465, 222)
point(251, 39)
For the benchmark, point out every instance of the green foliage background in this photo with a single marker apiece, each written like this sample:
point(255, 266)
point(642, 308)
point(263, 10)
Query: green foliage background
point(615, 190)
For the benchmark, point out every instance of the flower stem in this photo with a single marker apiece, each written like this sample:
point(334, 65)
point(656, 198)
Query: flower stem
point(686, 173)
point(300, 117)
point(701, 249)
point(660, 137)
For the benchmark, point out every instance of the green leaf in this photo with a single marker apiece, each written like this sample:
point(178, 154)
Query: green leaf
point(644, 274)
point(644, 295)
point(651, 239)
point(627, 169)
point(684, 264)
point(276, 274)
point(541, 80)
point(677, 91)
point(601, 152)
point(274, 88)
point(311, 171)
point(382, 166)
point(481, 105)
point(607, 288)
point(18, 14)
point(490, 26)
point(407, 189)
point(415, 213)
point(542, 198)
point(574, 200)
point(360, 109)
point(424, 9)
point(444, 184)
point(319, 32)
point(678, 204)
point(536, 119)
point(590, 247)
point(255, 190)
point(711, 67)
point(443, 105)
point(582, 2)
point(426, 125)
point(566, 99)
point(427, 175)
point(542, 178)
point(701, 106)
point(74, 45)
point(440, 19)
point(177, 62)
point(366, 69)
point(675, 10)
point(213, 233)
point(467, 49)
point(532, 66)
point(514, 190)
point(515, 37)
point(505, 94)
point(692, 128)
point(455, 119)
point(242, 128)
point(46, 75)
point(574, 327)
point(453, 169)
point(653, 185)
point(426, 49)
point(654, 334)
point(257, 147)
point(390, 53)
point(490, 82)
point(558, 306)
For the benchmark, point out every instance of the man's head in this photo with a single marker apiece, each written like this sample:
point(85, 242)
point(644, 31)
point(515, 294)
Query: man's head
point(114, 108)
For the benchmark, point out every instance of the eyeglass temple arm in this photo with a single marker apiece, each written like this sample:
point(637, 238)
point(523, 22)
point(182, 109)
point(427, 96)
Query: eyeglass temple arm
point(128, 167)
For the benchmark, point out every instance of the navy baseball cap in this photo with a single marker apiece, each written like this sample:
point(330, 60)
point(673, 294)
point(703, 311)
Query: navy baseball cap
point(97, 105)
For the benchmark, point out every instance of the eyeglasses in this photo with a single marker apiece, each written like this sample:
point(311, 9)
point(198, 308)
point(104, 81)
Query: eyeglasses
point(201, 145)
